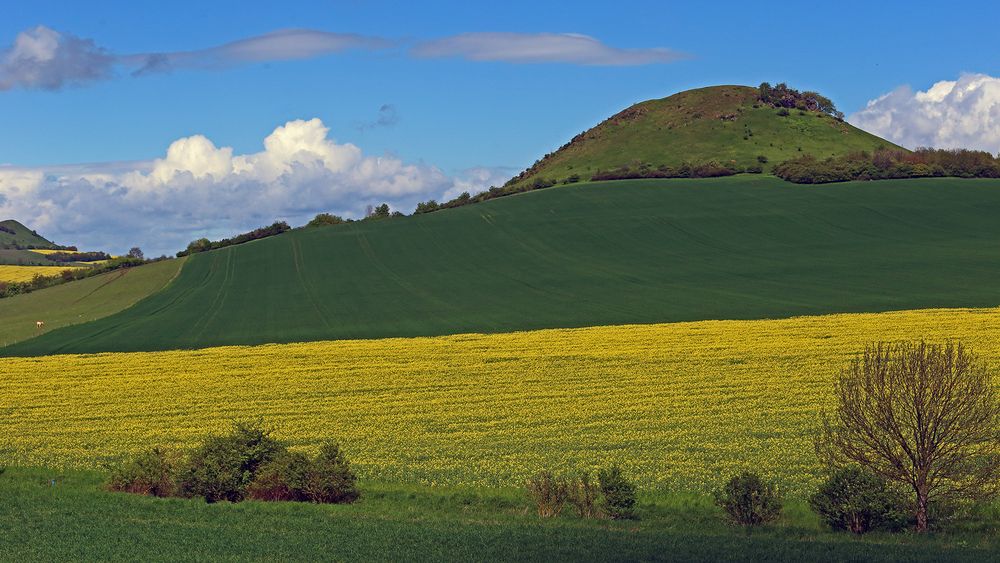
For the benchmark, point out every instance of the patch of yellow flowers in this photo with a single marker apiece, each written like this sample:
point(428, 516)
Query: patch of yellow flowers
point(12, 273)
point(680, 405)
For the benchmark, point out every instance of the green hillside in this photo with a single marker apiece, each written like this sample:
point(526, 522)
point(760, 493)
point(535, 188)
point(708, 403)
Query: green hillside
point(14, 235)
point(725, 124)
point(604, 253)
point(16, 257)
point(81, 301)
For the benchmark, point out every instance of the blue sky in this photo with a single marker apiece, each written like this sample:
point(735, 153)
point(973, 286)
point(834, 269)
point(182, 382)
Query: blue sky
point(455, 113)
point(447, 112)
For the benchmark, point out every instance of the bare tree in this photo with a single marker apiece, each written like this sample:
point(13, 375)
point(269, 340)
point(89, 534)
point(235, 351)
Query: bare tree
point(922, 415)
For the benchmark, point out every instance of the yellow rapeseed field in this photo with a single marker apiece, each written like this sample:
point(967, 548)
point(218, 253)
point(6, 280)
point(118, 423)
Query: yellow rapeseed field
point(10, 273)
point(677, 405)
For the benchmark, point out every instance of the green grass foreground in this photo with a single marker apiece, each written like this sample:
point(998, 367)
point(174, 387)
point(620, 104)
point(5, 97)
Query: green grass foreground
point(639, 251)
point(74, 519)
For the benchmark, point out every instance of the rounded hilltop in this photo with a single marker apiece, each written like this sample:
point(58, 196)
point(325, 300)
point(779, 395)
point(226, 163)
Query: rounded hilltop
point(733, 127)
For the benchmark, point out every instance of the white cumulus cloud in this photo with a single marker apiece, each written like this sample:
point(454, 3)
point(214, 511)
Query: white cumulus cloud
point(199, 189)
point(963, 113)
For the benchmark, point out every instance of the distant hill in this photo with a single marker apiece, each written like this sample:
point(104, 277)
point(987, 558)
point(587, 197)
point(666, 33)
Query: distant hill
point(14, 235)
point(725, 124)
point(605, 253)
point(81, 301)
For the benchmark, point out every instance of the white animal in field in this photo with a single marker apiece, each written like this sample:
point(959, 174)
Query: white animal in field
point(39, 324)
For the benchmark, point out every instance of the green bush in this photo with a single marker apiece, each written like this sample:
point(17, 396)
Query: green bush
point(857, 500)
point(152, 473)
point(284, 478)
point(246, 463)
point(330, 478)
point(749, 500)
point(549, 493)
point(619, 494)
point(324, 219)
point(224, 466)
point(783, 112)
point(584, 493)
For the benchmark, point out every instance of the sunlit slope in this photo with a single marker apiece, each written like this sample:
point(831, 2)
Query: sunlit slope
point(14, 234)
point(627, 252)
point(81, 301)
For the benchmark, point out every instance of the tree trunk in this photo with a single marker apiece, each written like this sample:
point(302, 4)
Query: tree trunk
point(921, 511)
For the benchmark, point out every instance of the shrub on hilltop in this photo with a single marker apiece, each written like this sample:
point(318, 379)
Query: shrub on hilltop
point(781, 96)
point(203, 244)
point(324, 219)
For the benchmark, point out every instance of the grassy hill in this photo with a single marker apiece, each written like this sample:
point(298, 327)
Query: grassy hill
point(604, 253)
point(81, 301)
point(15, 235)
point(725, 124)
point(15, 257)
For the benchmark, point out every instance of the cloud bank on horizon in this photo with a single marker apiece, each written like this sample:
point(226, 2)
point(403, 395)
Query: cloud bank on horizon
point(43, 58)
point(198, 189)
point(951, 114)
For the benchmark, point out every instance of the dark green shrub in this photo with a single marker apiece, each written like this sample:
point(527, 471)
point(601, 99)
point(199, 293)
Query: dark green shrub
point(152, 473)
point(857, 500)
point(323, 219)
point(224, 466)
point(619, 494)
point(330, 478)
point(429, 206)
point(204, 245)
point(541, 183)
point(583, 493)
point(762, 159)
point(783, 112)
point(749, 500)
point(549, 493)
point(286, 478)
